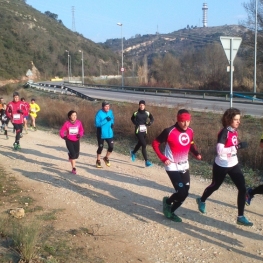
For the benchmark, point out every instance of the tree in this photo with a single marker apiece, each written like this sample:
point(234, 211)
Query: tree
point(51, 15)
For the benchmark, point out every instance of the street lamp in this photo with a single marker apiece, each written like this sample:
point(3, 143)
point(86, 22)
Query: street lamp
point(255, 58)
point(68, 63)
point(122, 69)
point(82, 61)
point(70, 75)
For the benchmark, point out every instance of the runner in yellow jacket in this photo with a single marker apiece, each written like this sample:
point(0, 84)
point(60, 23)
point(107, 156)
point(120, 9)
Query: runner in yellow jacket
point(34, 108)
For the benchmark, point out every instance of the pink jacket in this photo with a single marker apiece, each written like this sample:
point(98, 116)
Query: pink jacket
point(71, 130)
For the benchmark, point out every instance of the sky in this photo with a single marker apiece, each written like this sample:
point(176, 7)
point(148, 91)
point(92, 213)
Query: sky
point(97, 20)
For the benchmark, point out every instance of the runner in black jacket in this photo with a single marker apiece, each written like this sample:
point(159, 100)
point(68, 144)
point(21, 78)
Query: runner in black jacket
point(141, 119)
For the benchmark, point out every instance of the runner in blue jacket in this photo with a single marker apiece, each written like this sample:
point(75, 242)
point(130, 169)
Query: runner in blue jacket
point(104, 121)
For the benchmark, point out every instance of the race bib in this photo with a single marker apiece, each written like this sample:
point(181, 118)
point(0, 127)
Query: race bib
point(183, 166)
point(16, 117)
point(73, 130)
point(142, 128)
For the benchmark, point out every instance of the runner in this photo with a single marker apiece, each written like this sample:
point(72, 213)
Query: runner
point(226, 162)
point(71, 131)
point(1, 107)
point(4, 119)
point(14, 112)
point(104, 121)
point(34, 108)
point(141, 119)
point(178, 141)
point(26, 114)
point(257, 190)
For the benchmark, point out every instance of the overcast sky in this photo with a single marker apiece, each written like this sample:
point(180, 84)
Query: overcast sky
point(97, 20)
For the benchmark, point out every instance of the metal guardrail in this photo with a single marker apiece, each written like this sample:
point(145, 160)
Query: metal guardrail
point(156, 90)
point(63, 90)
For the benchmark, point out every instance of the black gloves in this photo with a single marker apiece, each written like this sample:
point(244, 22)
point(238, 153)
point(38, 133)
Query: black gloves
point(19, 111)
point(78, 136)
point(242, 145)
point(108, 118)
point(148, 123)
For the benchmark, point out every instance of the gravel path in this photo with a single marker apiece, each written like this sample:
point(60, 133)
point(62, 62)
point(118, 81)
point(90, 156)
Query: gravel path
point(122, 206)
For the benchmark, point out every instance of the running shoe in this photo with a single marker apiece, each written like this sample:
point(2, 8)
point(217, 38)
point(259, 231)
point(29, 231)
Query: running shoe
point(166, 208)
point(249, 196)
point(201, 205)
point(74, 170)
point(242, 220)
point(148, 163)
point(18, 146)
point(98, 164)
point(7, 137)
point(175, 218)
point(35, 128)
point(15, 145)
point(107, 161)
point(133, 156)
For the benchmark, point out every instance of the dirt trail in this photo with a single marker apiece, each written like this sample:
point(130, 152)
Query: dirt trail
point(122, 205)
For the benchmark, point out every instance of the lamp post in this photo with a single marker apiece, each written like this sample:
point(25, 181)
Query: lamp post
point(122, 69)
point(68, 63)
point(82, 67)
point(70, 75)
point(255, 58)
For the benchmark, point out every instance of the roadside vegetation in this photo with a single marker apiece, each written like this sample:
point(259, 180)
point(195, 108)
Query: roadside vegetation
point(34, 238)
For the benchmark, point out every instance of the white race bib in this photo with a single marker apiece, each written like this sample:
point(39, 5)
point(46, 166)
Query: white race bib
point(142, 128)
point(73, 130)
point(16, 116)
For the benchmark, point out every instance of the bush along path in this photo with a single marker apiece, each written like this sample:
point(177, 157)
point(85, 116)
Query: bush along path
point(115, 213)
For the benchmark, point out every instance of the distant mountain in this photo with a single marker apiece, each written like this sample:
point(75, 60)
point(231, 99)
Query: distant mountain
point(176, 42)
point(28, 35)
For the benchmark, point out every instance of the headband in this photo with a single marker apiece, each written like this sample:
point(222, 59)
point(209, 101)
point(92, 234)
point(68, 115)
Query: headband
point(184, 117)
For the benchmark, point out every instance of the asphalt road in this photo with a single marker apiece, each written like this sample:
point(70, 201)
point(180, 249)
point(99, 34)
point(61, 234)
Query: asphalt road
point(192, 102)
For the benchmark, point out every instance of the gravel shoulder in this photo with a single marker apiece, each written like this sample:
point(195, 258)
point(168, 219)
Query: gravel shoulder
point(122, 206)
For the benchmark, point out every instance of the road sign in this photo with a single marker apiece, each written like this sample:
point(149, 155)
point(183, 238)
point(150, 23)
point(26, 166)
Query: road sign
point(231, 46)
point(227, 42)
point(29, 73)
point(122, 69)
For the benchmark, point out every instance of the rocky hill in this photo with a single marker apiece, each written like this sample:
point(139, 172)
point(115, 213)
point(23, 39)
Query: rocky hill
point(176, 42)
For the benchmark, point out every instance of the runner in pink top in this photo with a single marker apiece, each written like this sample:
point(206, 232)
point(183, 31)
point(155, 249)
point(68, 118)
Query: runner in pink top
point(71, 131)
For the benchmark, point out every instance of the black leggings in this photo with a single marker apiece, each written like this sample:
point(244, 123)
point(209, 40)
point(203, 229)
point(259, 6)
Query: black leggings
point(181, 184)
point(73, 148)
point(101, 143)
point(219, 174)
point(141, 143)
point(257, 191)
point(18, 128)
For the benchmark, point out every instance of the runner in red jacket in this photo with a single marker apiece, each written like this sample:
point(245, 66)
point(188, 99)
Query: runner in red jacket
point(14, 111)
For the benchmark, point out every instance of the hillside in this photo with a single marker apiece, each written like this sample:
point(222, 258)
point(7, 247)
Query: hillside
point(29, 36)
point(176, 42)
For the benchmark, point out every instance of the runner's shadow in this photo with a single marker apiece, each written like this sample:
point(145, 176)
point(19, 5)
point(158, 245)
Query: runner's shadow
point(136, 205)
